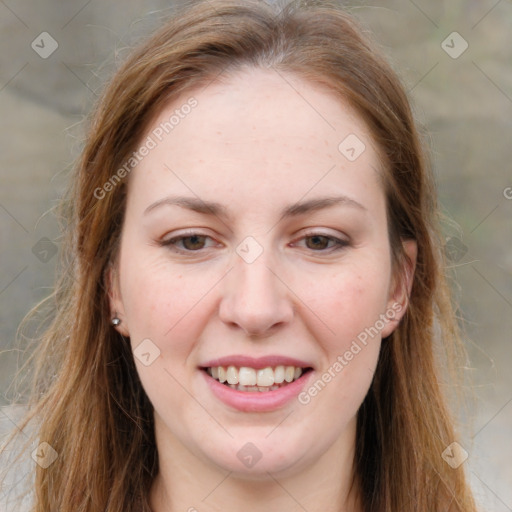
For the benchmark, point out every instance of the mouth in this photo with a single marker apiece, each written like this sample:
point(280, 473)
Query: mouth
point(261, 384)
point(256, 380)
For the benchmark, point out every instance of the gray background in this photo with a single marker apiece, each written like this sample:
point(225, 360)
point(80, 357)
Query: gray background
point(464, 102)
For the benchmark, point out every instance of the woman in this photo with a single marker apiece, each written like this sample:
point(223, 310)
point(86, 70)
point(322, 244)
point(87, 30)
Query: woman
point(252, 314)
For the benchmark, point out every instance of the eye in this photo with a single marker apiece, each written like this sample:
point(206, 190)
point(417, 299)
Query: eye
point(320, 242)
point(195, 242)
point(190, 242)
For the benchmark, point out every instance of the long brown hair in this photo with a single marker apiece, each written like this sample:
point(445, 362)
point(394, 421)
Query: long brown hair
point(87, 397)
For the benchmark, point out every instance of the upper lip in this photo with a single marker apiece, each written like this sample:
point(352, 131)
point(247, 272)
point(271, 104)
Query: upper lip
point(256, 362)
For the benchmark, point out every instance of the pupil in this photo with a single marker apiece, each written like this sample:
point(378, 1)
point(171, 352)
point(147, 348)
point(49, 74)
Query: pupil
point(196, 239)
point(315, 239)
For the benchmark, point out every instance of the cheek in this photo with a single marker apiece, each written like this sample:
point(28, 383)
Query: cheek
point(349, 301)
point(350, 305)
point(164, 303)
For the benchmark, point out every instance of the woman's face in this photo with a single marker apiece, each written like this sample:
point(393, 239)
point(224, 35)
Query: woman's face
point(255, 248)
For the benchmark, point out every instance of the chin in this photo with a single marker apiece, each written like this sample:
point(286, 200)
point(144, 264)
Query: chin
point(254, 460)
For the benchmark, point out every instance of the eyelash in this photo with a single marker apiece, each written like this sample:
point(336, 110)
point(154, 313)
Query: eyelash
point(171, 242)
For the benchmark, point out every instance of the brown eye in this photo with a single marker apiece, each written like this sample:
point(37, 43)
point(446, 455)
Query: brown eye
point(187, 243)
point(317, 242)
point(194, 242)
point(321, 243)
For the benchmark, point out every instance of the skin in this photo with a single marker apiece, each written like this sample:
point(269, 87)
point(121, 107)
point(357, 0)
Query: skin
point(256, 145)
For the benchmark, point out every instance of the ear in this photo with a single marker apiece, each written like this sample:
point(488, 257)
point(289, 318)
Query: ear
point(400, 289)
point(115, 300)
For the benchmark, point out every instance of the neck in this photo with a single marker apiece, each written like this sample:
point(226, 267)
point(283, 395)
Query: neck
point(186, 482)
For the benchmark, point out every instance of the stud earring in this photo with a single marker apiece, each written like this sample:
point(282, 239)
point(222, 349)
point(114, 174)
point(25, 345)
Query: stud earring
point(116, 321)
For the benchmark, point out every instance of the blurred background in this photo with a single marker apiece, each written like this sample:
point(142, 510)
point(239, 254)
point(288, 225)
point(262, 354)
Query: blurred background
point(456, 61)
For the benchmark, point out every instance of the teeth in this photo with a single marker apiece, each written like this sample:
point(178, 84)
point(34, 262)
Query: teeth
point(232, 375)
point(289, 372)
point(279, 375)
point(250, 379)
point(265, 377)
point(247, 376)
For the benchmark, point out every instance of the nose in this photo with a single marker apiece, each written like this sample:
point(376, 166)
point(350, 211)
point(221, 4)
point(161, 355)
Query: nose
point(256, 298)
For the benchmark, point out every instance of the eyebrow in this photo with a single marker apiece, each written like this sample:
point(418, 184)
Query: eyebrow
point(219, 210)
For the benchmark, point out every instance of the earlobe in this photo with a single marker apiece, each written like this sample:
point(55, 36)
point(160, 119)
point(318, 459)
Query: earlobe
point(117, 315)
point(401, 288)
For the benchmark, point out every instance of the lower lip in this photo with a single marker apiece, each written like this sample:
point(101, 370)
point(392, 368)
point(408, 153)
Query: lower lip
point(257, 401)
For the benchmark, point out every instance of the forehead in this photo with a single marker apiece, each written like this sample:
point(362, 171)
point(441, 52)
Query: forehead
point(257, 129)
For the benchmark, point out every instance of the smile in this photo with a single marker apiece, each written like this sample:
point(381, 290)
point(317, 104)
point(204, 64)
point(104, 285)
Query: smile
point(256, 380)
point(261, 384)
